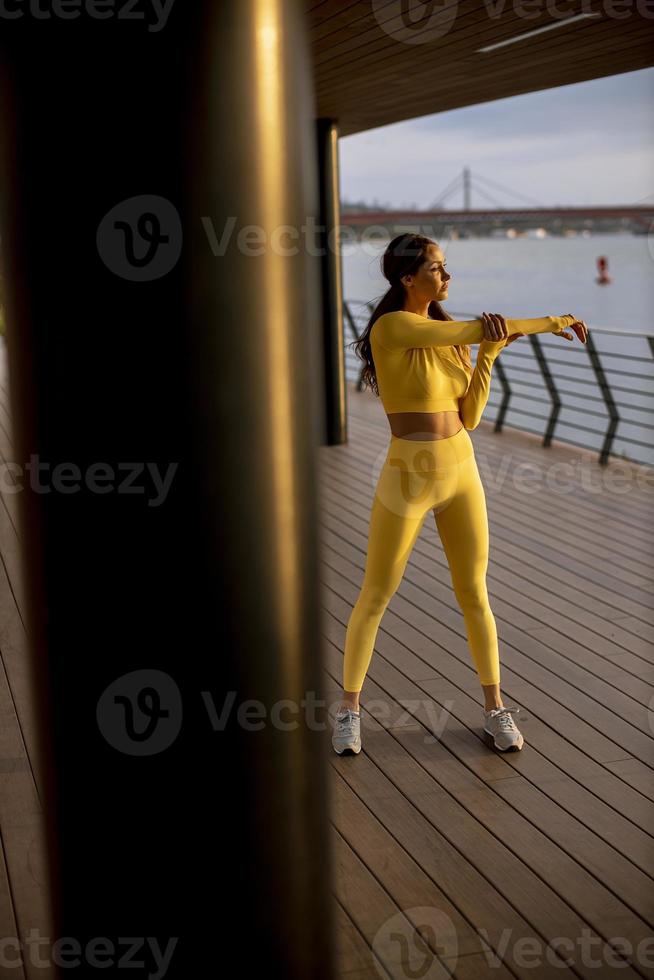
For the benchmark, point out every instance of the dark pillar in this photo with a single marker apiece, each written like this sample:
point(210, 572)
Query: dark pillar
point(332, 283)
point(172, 361)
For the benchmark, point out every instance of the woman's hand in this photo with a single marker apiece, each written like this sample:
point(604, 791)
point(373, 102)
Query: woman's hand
point(579, 328)
point(495, 329)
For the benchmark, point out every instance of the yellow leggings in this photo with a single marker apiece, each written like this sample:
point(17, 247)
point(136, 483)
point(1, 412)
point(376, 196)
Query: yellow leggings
point(420, 475)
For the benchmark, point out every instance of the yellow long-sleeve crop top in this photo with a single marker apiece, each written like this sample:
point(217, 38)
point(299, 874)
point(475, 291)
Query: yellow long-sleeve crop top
point(418, 369)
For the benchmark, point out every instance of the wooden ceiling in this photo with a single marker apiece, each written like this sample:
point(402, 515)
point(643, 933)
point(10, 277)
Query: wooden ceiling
point(375, 65)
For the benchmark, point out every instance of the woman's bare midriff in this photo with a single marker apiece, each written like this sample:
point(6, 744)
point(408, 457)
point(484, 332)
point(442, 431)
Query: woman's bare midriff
point(424, 425)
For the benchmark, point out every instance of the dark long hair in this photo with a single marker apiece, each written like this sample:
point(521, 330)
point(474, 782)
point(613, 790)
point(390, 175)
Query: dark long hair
point(403, 256)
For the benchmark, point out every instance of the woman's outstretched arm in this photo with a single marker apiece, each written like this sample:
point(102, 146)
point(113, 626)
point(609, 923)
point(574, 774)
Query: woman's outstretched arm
point(473, 403)
point(402, 330)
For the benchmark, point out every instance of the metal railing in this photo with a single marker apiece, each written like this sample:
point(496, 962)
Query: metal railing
point(609, 379)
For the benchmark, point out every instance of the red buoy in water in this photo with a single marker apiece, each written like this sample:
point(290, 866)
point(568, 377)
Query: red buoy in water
point(603, 277)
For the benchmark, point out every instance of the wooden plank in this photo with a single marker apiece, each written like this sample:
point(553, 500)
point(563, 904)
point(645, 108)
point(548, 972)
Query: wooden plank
point(434, 828)
point(10, 560)
point(22, 827)
point(14, 660)
point(371, 908)
point(534, 838)
point(376, 852)
point(393, 867)
point(353, 955)
point(587, 787)
point(9, 934)
point(634, 625)
point(9, 479)
point(22, 831)
point(636, 773)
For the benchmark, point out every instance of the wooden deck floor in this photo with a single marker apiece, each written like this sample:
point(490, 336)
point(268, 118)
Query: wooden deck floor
point(444, 851)
point(23, 868)
point(538, 856)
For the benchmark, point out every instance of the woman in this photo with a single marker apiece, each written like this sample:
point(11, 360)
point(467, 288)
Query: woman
point(417, 360)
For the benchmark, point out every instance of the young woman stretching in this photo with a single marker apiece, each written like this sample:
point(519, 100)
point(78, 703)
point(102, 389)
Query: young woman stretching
point(417, 359)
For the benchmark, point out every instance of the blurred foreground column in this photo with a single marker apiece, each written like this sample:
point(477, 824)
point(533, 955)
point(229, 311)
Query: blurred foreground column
point(165, 358)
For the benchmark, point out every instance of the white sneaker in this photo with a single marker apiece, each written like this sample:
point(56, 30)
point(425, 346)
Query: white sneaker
point(346, 736)
point(499, 724)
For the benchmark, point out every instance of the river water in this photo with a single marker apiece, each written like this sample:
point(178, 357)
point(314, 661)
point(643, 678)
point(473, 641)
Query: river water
point(525, 277)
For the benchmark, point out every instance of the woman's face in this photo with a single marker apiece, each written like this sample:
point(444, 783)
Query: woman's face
point(431, 280)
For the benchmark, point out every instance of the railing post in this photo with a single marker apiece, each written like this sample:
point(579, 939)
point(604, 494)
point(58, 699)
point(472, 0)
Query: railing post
point(506, 395)
point(552, 391)
point(331, 277)
point(605, 388)
point(355, 336)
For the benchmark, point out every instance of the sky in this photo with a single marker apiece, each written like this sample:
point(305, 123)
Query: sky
point(582, 144)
